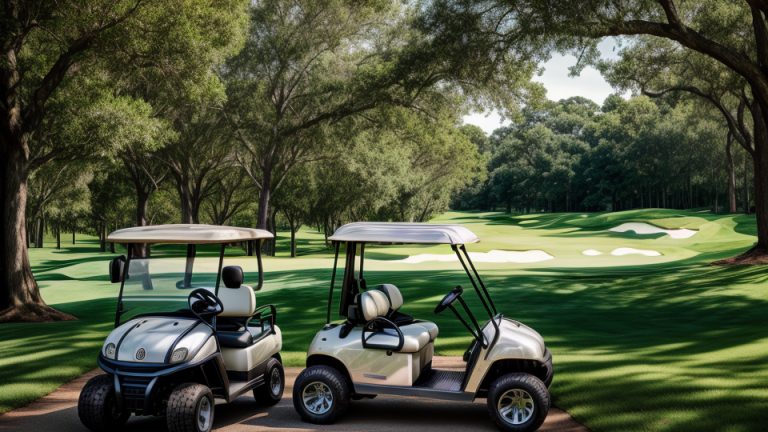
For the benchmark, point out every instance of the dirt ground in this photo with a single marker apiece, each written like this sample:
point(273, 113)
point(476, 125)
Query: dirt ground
point(58, 412)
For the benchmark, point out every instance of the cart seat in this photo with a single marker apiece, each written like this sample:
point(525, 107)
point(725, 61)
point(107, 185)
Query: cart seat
point(235, 339)
point(395, 302)
point(239, 303)
point(374, 303)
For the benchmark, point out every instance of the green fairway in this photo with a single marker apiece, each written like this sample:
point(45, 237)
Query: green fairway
point(639, 342)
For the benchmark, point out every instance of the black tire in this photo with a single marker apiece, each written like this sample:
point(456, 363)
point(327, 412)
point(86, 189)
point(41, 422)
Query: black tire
point(539, 398)
point(186, 409)
point(333, 381)
point(270, 394)
point(97, 405)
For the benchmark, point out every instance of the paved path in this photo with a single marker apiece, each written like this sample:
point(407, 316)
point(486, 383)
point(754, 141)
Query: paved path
point(58, 412)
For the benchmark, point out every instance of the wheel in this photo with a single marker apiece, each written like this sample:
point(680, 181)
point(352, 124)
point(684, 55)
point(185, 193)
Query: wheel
point(518, 402)
point(97, 405)
point(190, 409)
point(320, 395)
point(274, 383)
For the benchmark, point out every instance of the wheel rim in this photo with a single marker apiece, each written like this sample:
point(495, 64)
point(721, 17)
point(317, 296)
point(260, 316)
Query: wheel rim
point(516, 406)
point(204, 415)
point(274, 381)
point(318, 398)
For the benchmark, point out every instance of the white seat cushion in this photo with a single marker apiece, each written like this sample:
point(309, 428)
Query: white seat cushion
point(238, 302)
point(415, 338)
point(373, 304)
point(429, 327)
point(393, 295)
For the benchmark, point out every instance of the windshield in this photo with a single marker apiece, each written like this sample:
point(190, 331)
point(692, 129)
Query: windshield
point(163, 282)
point(158, 284)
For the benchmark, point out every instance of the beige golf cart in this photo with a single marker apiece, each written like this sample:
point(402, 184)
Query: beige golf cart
point(183, 343)
point(378, 350)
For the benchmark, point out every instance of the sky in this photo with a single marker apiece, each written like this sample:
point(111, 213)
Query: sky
point(559, 85)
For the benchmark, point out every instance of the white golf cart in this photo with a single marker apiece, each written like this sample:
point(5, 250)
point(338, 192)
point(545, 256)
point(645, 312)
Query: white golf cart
point(379, 350)
point(182, 343)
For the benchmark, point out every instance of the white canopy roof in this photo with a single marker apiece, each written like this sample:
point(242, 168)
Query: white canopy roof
point(187, 234)
point(401, 232)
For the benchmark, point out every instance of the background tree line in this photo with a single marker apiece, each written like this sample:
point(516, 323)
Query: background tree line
point(574, 155)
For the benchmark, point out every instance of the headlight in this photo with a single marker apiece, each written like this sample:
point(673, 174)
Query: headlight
point(179, 355)
point(109, 351)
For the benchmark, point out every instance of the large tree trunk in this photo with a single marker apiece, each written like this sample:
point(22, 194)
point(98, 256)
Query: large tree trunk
point(39, 232)
point(58, 236)
point(759, 253)
point(761, 177)
point(262, 213)
point(746, 185)
point(20, 299)
point(731, 176)
point(187, 202)
point(293, 241)
point(264, 195)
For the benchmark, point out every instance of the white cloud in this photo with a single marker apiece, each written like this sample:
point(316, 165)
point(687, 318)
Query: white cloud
point(589, 84)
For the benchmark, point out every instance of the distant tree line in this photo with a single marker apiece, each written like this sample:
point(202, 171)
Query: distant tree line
point(574, 155)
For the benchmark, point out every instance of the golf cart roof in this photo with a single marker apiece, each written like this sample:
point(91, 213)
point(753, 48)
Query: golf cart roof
point(403, 232)
point(187, 234)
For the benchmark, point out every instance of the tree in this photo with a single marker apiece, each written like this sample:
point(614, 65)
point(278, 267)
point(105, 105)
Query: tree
point(198, 158)
point(740, 43)
point(659, 67)
point(52, 46)
point(231, 193)
point(294, 200)
point(309, 65)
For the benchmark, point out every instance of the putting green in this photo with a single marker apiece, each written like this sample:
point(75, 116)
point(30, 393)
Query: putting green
point(640, 343)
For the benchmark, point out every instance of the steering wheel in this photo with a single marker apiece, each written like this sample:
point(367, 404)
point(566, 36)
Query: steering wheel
point(204, 303)
point(449, 299)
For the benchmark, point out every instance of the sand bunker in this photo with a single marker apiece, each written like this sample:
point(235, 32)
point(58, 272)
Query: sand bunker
point(632, 251)
point(494, 256)
point(644, 228)
point(623, 251)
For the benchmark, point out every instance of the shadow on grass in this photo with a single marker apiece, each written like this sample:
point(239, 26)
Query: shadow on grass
point(682, 347)
point(675, 346)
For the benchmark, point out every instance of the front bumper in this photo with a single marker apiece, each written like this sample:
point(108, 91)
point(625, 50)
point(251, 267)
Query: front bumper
point(137, 385)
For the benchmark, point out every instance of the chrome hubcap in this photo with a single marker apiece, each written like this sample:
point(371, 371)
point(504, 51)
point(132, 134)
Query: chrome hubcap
point(204, 415)
point(318, 398)
point(274, 381)
point(516, 406)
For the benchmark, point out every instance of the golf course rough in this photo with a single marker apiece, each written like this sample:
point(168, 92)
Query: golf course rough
point(640, 343)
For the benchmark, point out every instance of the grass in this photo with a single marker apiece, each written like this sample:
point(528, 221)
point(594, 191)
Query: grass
point(664, 343)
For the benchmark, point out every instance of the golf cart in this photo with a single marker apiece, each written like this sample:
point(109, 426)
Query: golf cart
point(182, 343)
point(379, 350)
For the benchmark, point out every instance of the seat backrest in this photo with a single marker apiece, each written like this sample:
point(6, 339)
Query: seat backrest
point(238, 302)
point(373, 304)
point(393, 295)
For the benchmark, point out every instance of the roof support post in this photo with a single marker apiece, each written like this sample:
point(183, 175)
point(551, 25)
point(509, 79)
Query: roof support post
point(485, 291)
point(122, 285)
point(471, 279)
point(333, 281)
point(191, 252)
point(257, 248)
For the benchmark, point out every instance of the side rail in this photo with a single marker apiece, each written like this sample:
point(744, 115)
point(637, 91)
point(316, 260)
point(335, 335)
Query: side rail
point(266, 316)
